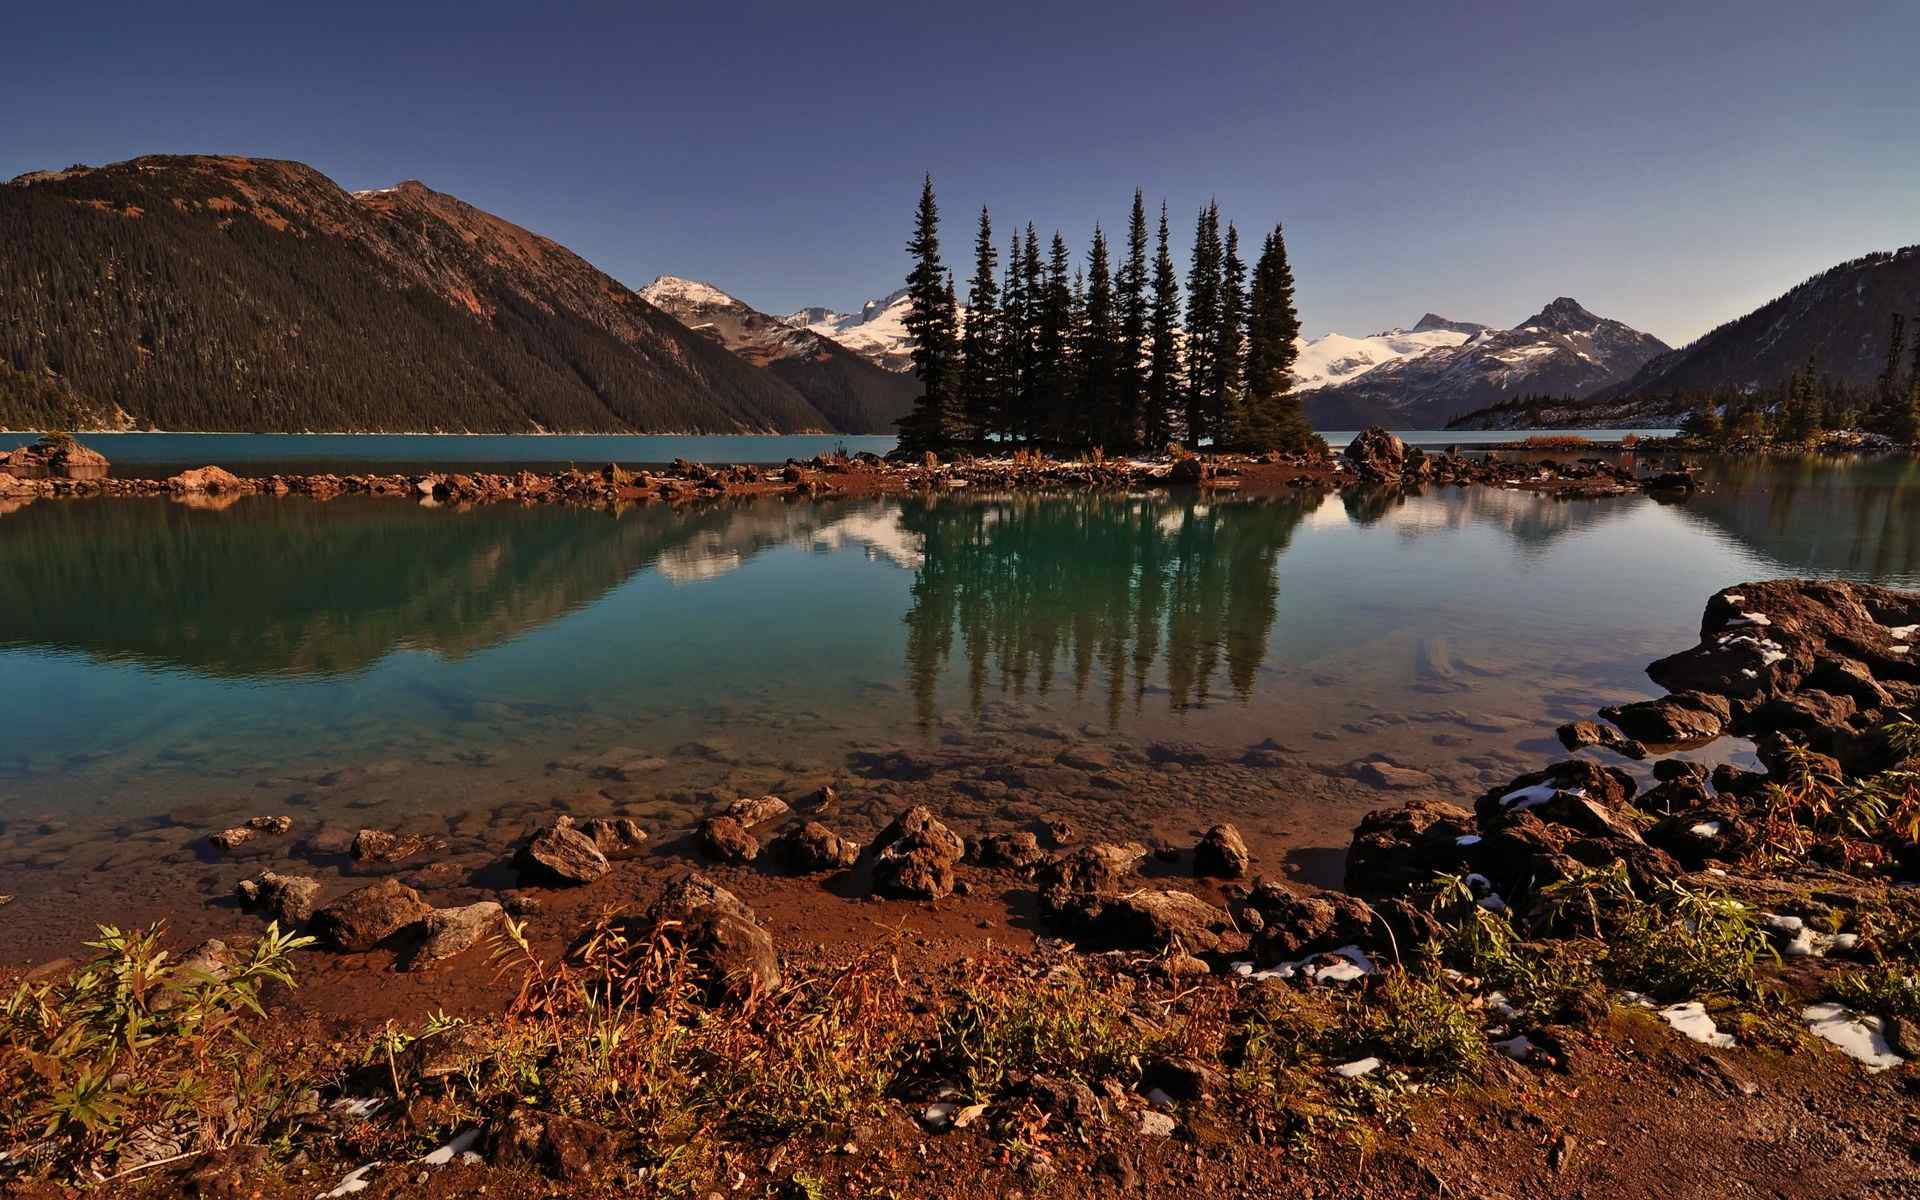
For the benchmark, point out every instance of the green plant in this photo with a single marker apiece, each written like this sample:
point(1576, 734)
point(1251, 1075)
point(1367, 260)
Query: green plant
point(989, 1033)
point(1421, 1022)
point(137, 1041)
point(1686, 944)
point(1885, 988)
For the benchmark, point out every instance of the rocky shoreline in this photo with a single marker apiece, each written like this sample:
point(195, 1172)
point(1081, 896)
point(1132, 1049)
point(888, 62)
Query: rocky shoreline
point(1166, 1015)
point(61, 469)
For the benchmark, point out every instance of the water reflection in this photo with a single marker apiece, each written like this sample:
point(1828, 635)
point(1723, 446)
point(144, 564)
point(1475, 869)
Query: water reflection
point(1026, 587)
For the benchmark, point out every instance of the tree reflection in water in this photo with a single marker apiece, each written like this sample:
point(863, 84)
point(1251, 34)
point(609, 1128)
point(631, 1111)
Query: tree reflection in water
point(1028, 586)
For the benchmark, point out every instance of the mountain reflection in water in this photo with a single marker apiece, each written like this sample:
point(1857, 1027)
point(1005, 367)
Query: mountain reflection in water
point(269, 630)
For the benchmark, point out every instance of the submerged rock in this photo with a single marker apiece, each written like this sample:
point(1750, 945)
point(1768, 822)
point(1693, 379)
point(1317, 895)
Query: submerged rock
point(451, 931)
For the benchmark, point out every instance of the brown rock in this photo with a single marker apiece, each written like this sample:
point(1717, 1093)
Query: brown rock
point(1684, 718)
point(1221, 853)
point(379, 846)
point(362, 919)
point(1159, 920)
point(813, 847)
point(565, 1148)
point(1383, 774)
point(206, 479)
point(614, 835)
point(726, 839)
point(287, 899)
point(562, 854)
point(451, 931)
point(757, 810)
point(914, 856)
point(1018, 849)
point(1394, 849)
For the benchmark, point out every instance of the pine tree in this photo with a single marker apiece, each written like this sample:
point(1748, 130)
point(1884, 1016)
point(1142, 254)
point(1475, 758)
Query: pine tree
point(1229, 350)
point(1131, 298)
point(980, 373)
point(1163, 351)
point(930, 331)
point(1889, 393)
point(1274, 419)
point(1052, 347)
point(1015, 334)
point(1039, 371)
point(1704, 421)
point(1203, 317)
point(1099, 358)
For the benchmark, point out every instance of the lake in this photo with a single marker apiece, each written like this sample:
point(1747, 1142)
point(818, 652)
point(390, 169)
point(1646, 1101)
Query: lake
point(367, 661)
point(159, 454)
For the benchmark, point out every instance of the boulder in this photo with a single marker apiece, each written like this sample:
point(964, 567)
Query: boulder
point(1377, 454)
point(756, 810)
point(1160, 920)
point(215, 480)
point(287, 899)
point(1768, 638)
point(914, 856)
point(1578, 735)
point(561, 854)
point(362, 919)
point(1684, 718)
point(1394, 849)
point(379, 846)
point(726, 840)
point(811, 848)
point(614, 835)
point(450, 931)
point(734, 956)
point(1608, 786)
point(1294, 924)
point(1018, 849)
point(1096, 869)
point(1718, 830)
point(565, 1148)
point(1222, 854)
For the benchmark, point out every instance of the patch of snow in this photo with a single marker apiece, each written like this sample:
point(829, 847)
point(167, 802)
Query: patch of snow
point(672, 288)
point(1357, 1068)
point(1902, 633)
point(1691, 1019)
point(460, 1144)
point(1751, 618)
point(1539, 793)
point(1733, 599)
point(1863, 1038)
point(356, 1181)
point(1519, 1048)
point(1467, 839)
point(1707, 829)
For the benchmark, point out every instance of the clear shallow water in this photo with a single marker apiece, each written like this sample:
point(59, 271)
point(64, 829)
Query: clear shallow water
point(265, 453)
point(372, 661)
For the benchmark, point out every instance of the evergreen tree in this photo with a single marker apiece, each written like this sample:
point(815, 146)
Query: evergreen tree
point(1890, 394)
point(1704, 421)
point(1203, 317)
point(1052, 347)
point(1131, 298)
point(1229, 336)
point(930, 330)
point(1039, 370)
point(1099, 352)
point(1274, 419)
point(1163, 351)
point(1015, 345)
point(980, 344)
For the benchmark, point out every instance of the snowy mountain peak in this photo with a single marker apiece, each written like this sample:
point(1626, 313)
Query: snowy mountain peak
point(1564, 315)
point(671, 291)
point(1429, 322)
point(878, 331)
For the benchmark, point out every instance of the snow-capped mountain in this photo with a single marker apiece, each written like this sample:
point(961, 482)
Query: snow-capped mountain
point(1338, 358)
point(878, 330)
point(842, 383)
point(1563, 349)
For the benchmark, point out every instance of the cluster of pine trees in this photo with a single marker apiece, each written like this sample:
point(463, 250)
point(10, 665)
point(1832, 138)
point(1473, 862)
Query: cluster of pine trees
point(1050, 353)
point(1811, 401)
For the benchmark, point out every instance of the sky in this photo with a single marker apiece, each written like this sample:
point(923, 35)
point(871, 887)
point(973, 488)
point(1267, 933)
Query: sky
point(1671, 164)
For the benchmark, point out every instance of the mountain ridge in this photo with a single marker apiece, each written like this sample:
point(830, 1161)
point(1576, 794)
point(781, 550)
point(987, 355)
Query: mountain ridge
point(256, 295)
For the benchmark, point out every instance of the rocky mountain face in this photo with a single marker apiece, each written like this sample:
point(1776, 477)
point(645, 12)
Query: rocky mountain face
point(850, 390)
point(1562, 349)
point(878, 330)
point(220, 292)
point(1839, 317)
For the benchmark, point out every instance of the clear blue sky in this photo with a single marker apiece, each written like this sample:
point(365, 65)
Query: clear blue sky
point(1670, 164)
